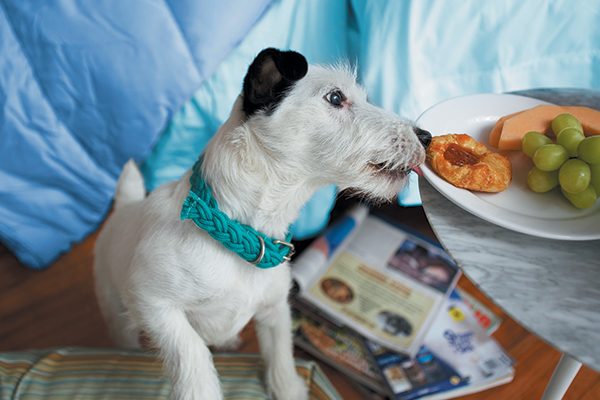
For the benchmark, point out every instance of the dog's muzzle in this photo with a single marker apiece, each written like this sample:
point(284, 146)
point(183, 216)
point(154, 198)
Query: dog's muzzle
point(423, 136)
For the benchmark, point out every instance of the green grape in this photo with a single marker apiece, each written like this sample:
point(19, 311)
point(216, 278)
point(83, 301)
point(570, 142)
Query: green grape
point(563, 121)
point(532, 141)
point(550, 157)
point(542, 181)
point(595, 181)
point(574, 176)
point(585, 199)
point(589, 150)
point(569, 138)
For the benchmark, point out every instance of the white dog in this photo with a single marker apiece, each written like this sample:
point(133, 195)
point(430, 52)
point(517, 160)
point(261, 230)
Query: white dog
point(293, 130)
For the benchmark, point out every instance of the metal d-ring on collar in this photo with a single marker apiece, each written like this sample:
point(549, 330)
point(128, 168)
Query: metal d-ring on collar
point(289, 246)
point(261, 253)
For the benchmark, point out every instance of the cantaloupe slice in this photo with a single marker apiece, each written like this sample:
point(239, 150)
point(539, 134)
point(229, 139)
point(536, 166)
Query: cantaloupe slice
point(494, 136)
point(509, 130)
point(536, 119)
point(589, 118)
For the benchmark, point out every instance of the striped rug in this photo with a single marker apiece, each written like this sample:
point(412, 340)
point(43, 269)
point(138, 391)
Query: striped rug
point(86, 374)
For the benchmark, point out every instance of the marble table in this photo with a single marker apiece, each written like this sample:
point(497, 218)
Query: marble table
point(549, 286)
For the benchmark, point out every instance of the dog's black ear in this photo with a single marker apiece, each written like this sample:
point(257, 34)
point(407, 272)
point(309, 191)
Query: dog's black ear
point(269, 76)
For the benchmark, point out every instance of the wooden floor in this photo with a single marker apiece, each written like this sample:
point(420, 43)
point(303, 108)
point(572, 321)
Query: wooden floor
point(56, 307)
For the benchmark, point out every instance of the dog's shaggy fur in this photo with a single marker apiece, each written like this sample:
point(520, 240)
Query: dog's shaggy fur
point(293, 130)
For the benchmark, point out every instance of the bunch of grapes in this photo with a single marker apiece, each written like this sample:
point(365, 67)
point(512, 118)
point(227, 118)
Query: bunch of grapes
point(573, 162)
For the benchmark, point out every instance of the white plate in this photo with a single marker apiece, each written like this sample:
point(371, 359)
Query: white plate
point(546, 215)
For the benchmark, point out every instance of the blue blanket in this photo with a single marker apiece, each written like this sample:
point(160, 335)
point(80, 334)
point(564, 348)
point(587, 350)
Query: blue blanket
point(84, 86)
point(315, 28)
point(410, 55)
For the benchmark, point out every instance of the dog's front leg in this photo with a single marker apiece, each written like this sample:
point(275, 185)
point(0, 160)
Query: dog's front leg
point(274, 331)
point(186, 357)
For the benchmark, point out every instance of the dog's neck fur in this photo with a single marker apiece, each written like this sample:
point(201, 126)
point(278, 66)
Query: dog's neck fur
point(238, 169)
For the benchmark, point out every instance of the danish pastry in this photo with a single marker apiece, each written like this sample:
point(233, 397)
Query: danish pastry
point(468, 164)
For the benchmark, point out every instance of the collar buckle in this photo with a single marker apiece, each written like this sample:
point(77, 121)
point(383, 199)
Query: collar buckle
point(289, 245)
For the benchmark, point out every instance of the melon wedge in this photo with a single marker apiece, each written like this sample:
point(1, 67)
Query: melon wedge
point(509, 130)
point(535, 119)
point(494, 136)
point(589, 118)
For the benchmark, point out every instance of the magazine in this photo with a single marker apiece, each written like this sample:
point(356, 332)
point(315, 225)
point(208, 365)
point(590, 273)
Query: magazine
point(486, 318)
point(394, 375)
point(457, 358)
point(381, 280)
point(337, 346)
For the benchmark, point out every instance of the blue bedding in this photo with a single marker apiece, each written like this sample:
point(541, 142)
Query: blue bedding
point(84, 86)
point(410, 55)
point(414, 54)
point(298, 25)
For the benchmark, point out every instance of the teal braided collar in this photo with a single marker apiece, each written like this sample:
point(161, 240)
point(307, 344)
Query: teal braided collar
point(253, 246)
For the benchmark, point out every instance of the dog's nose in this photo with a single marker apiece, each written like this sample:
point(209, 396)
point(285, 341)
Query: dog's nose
point(423, 136)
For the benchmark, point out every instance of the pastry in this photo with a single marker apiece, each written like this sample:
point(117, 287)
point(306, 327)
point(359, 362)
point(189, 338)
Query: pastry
point(468, 164)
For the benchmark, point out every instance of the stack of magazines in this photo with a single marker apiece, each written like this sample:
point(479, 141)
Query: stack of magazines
point(379, 303)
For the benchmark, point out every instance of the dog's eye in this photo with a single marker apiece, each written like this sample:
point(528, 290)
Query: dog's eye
point(335, 98)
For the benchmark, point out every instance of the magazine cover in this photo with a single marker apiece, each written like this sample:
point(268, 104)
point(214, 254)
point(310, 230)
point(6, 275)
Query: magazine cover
point(337, 346)
point(381, 280)
point(486, 318)
point(413, 378)
point(457, 358)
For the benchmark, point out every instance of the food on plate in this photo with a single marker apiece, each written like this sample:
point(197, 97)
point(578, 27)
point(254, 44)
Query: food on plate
point(573, 163)
point(589, 117)
point(574, 176)
point(533, 141)
point(570, 138)
point(542, 181)
point(564, 121)
point(508, 132)
point(589, 150)
point(468, 164)
point(550, 157)
point(537, 119)
point(497, 130)
point(595, 177)
point(584, 199)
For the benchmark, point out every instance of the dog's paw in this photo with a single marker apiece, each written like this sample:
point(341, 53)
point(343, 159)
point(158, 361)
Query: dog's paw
point(286, 387)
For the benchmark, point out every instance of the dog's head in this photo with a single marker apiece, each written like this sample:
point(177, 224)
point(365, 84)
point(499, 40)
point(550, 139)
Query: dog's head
point(317, 121)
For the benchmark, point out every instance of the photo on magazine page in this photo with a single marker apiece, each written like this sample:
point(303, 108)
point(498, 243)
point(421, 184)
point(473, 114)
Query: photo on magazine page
point(424, 265)
point(386, 283)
